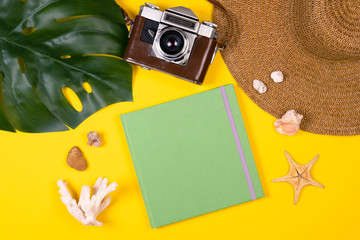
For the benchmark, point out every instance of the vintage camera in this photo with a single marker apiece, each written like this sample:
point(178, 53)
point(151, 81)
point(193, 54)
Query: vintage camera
point(173, 41)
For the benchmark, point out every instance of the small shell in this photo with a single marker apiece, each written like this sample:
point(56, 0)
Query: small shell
point(288, 124)
point(94, 139)
point(259, 86)
point(277, 76)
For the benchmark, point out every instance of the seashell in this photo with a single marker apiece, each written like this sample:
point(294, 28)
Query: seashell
point(93, 139)
point(277, 76)
point(259, 86)
point(289, 123)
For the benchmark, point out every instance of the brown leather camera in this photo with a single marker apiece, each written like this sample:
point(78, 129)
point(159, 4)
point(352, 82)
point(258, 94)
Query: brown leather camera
point(173, 41)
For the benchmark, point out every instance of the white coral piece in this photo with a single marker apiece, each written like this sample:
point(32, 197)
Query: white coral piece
point(289, 123)
point(88, 208)
point(259, 86)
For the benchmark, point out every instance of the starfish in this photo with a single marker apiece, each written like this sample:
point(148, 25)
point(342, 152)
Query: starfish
point(299, 175)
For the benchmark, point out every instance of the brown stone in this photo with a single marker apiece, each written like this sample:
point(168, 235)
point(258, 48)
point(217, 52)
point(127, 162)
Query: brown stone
point(76, 160)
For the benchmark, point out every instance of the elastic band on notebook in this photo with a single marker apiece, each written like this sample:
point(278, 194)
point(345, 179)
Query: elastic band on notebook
point(238, 144)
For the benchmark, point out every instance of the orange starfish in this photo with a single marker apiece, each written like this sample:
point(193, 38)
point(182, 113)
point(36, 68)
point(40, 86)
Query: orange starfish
point(299, 175)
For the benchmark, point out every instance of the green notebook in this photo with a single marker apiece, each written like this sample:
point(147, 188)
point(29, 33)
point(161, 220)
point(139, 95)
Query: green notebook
point(192, 156)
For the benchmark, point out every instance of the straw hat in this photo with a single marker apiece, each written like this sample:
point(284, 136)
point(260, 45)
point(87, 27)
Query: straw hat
point(315, 43)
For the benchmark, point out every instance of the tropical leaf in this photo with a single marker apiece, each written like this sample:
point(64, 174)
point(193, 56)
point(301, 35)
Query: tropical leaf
point(47, 46)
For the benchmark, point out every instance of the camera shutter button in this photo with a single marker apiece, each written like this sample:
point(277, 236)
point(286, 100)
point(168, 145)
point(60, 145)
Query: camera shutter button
point(150, 5)
point(210, 24)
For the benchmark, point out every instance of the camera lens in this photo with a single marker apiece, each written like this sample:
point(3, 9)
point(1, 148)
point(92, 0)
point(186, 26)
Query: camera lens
point(172, 42)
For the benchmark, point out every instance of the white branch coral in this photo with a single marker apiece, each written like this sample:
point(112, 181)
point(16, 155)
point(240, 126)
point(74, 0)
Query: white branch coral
point(88, 208)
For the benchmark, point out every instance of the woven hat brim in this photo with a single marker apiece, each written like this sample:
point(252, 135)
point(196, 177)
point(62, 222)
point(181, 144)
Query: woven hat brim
point(326, 93)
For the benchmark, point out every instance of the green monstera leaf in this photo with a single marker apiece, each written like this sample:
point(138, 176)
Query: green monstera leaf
point(47, 46)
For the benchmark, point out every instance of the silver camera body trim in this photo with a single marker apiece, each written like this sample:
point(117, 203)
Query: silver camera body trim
point(182, 14)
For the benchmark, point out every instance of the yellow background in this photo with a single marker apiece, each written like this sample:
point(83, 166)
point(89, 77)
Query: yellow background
point(30, 206)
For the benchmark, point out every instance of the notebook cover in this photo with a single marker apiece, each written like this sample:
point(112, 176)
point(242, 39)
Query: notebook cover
point(186, 158)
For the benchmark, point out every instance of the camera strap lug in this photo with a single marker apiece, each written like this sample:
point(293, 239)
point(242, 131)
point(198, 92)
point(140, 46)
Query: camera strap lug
point(215, 51)
point(127, 19)
point(217, 48)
